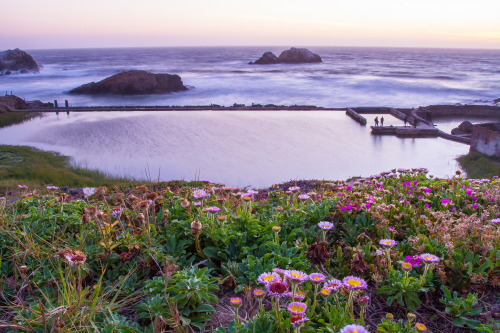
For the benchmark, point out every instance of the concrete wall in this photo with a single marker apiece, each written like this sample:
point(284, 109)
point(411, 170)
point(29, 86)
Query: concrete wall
point(486, 139)
point(459, 110)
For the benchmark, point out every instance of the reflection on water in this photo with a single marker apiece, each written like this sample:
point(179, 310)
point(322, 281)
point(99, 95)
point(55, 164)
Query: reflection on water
point(255, 148)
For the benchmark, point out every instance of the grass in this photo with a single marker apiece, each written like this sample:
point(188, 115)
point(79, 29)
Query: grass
point(480, 166)
point(12, 118)
point(36, 168)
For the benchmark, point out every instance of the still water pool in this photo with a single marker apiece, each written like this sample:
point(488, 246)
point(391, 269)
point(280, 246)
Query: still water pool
point(238, 148)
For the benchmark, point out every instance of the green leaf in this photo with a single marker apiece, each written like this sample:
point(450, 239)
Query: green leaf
point(204, 308)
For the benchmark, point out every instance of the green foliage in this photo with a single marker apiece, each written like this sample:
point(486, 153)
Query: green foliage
point(188, 292)
point(393, 326)
point(403, 289)
point(479, 166)
point(460, 307)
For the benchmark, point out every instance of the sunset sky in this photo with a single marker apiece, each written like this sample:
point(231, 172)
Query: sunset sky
point(35, 24)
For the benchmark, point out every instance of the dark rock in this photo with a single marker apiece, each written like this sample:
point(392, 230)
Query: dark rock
point(457, 131)
point(496, 100)
point(17, 60)
point(465, 127)
point(267, 58)
point(133, 83)
point(11, 102)
point(292, 56)
point(298, 55)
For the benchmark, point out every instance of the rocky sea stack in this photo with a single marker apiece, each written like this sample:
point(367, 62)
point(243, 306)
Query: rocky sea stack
point(17, 61)
point(293, 56)
point(133, 83)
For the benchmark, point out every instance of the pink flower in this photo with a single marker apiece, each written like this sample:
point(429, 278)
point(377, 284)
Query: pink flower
point(354, 329)
point(297, 308)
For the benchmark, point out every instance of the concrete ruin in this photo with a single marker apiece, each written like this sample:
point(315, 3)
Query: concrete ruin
point(486, 139)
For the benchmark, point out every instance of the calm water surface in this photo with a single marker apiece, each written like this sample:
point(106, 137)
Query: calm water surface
point(249, 148)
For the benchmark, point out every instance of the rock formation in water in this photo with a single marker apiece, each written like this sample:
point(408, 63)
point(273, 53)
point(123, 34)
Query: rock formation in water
point(133, 83)
point(17, 61)
point(292, 56)
point(267, 58)
point(496, 100)
point(298, 55)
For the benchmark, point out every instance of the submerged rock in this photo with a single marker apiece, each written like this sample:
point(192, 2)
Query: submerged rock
point(267, 58)
point(298, 55)
point(292, 56)
point(17, 61)
point(133, 82)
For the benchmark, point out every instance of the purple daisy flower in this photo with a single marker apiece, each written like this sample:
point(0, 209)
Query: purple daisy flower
point(427, 257)
point(333, 284)
point(199, 194)
point(387, 242)
point(259, 293)
point(495, 221)
point(354, 282)
point(297, 308)
point(266, 278)
point(317, 277)
point(304, 197)
point(296, 276)
point(293, 188)
point(212, 209)
point(354, 329)
point(325, 225)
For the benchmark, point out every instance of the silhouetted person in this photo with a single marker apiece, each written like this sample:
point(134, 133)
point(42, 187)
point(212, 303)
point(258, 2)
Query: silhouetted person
point(415, 123)
point(406, 120)
point(382, 121)
point(376, 121)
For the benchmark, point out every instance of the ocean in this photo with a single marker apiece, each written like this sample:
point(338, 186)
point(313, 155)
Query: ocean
point(348, 76)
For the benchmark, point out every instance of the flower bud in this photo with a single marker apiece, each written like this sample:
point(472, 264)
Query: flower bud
point(389, 316)
point(235, 302)
point(184, 203)
point(279, 208)
point(196, 227)
point(141, 217)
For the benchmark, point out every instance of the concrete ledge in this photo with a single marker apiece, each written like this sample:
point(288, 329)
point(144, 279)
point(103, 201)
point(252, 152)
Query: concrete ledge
point(405, 131)
point(356, 116)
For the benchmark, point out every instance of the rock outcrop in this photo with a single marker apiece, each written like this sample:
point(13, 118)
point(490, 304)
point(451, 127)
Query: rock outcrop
point(292, 56)
point(298, 55)
point(267, 58)
point(17, 61)
point(464, 128)
point(133, 83)
point(496, 100)
point(12, 103)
